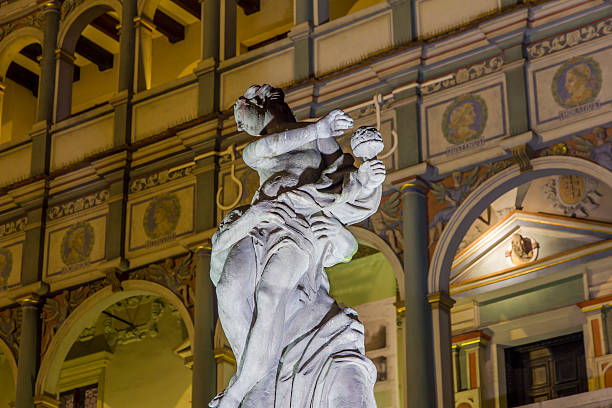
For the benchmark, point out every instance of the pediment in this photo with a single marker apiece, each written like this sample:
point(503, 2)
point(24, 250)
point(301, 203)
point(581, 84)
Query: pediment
point(542, 243)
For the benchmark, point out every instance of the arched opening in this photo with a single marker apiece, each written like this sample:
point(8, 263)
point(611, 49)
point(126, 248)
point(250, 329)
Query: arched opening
point(369, 284)
point(518, 255)
point(88, 57)
point(169, 41)
point(8, 375)
point(20, 73)
point(119, 348)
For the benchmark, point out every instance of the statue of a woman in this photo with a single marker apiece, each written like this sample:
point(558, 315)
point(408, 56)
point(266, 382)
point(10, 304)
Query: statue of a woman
point(294, 346)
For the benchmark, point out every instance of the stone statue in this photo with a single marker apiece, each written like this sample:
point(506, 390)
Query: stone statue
point(294, 345)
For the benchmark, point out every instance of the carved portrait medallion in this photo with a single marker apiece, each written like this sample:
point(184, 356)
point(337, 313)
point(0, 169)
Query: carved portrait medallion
point(77, 243)
point(577, 82)
point(522, 250)
point(464, 119)
point(162, 216)
point(6, 263)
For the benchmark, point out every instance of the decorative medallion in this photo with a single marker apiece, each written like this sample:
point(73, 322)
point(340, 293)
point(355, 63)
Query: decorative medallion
point(575, 195)
point(522, 250)
point(161, 216)
point(577, 82)
point(77, 243)
point(464, 119)
point(6, 263)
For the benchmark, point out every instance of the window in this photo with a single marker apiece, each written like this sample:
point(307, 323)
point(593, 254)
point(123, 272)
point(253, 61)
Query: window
point(82, 397)
point(546, 370)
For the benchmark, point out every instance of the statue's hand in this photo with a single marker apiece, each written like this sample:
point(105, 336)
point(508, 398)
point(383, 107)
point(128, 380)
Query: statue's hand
point(371, 173)
point(274, 212)
point(334, 124)
point(326, 228)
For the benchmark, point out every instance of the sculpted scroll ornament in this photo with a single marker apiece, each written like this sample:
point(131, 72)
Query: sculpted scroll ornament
point(295, 346)
point(566, 40)
point(466, 74)
point(80, 204)
point(159, 178)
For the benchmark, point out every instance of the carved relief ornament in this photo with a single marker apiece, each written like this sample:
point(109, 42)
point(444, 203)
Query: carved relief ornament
point(80, 204)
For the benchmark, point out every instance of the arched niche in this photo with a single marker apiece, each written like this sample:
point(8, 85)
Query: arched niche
point(86, 314)
point(370, 239)
point(458, 225)
point(17, 98)
point(71, 29)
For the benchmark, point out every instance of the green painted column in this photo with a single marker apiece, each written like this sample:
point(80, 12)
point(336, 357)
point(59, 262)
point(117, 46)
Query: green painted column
point(51, 11)
point(208, 81)
point(127, 45)
point(204, 382)
point(28, 351)
point(517, 100)
point(404, 21)
point(306, 17)
point(41, 140)
point(409, 145)
point(420, 392)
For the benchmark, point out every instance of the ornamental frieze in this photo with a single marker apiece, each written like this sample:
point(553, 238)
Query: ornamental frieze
point(463, 75)
point(12, 227)
point(157, 179)
point(570, 39)
point(75, 206)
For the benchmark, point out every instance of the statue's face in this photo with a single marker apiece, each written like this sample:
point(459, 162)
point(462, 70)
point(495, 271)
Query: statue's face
point(250, 117)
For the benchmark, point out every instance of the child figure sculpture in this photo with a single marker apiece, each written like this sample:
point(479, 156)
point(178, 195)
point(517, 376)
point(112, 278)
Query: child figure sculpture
point(294, 345)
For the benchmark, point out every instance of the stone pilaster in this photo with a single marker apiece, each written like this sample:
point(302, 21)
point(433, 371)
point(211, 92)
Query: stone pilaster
point(417, 322)
point(29, 347)
point(46, 90)
point(468, 361)
point(208, 81)
point(204, 366)
point(144, 53)
point(441, 304)
point(228, 29)
point(404, 21)
point(63, 83)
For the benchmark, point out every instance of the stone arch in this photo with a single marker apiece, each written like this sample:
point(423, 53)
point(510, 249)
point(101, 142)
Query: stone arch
point(147, 8)
point(369, 238)
point(6, 350)
point(489, 191)
point(76, 21)
point(84, 314)
point(457, 227)
point(15, 42)
point(69, 32)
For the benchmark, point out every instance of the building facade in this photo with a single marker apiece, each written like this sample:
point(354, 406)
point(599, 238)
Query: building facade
point(484, 280)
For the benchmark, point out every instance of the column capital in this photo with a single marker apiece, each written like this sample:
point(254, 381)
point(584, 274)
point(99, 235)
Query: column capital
point(479, 337)
point(45, 401)
point(415, 184)
point(61, 54)
point(2, 87)
point(204, 249)
point(223, 354)
point(142, 21)
point(440, 300)
point(51, 6)
point(31, 299)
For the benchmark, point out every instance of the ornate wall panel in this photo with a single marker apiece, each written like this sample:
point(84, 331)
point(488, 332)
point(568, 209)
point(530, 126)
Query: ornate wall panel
point(75, 239)
point(464, 119)
point(160, 211)
point(12, 237)
point(571, 85)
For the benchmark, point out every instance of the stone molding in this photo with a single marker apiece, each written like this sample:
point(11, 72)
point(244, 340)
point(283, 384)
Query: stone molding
point(570, 39)
point(75, 206)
